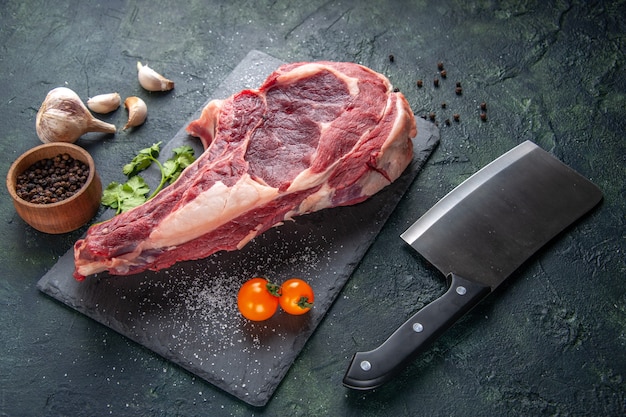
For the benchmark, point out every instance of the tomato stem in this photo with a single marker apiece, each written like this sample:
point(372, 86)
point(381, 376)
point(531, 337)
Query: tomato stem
point(304, 303)
point(273, 289)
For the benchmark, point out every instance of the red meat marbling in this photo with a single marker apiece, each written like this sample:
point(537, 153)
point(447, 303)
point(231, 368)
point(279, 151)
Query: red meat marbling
point(313, 136)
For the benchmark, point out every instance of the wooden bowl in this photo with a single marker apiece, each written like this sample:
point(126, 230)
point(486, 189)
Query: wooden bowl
point(66, 215)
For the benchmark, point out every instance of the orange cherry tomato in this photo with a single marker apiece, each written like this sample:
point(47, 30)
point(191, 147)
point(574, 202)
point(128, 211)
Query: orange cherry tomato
point(255, 301)
point(296, 296)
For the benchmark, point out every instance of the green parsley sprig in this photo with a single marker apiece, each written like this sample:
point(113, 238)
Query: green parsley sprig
point(134, 192)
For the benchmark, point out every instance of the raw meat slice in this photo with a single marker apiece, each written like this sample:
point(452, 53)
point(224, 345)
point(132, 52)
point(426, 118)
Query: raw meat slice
point(313, 136)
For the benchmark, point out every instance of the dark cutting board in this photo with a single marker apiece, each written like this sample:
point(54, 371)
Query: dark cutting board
point(188, 313)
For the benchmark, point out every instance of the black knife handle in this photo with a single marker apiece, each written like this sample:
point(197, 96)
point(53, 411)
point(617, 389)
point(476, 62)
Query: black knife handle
point(369, 370)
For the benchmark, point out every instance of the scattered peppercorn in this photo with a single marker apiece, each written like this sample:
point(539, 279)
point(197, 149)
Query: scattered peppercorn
point(439, 65)
point(447, 122)
point(456, 117)
point(458, 91)
point(436, 82)
point(443, 73)
point(458, 84)
point(52, 180)
point(391, 58)
point(420, 83)
point(483, 106)
point(483, 117)
point(431, 116)
point(444, 105)
point(396, 89)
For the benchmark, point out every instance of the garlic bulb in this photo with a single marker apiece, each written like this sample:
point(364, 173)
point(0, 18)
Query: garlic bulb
point(152, 80)
point(137, 112)
point(104, 103)
point(63, 117)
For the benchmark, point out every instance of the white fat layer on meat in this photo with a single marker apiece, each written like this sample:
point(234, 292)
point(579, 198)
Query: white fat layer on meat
point(213, 109)
point(394, 155)
point(306, 180)
point(209, 210)
point(120, 264)
point(404, 128)
point(317, 201)
point(253, 233)
point(92, 268)
point(306, 71)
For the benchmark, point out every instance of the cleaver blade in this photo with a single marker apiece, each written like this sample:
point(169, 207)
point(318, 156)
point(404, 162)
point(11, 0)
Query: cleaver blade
point(477, 235)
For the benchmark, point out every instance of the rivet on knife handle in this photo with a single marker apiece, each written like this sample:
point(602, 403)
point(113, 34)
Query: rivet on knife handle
point(369, 370)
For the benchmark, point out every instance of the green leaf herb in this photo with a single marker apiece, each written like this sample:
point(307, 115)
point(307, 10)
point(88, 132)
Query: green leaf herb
point(143, 160)
point(123, 197)
point(173, 167)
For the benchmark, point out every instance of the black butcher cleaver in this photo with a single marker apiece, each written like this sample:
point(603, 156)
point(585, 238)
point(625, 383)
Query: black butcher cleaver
point(477, 235)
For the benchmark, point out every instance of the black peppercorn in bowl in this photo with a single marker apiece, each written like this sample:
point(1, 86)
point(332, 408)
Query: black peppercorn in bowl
point(55, 187)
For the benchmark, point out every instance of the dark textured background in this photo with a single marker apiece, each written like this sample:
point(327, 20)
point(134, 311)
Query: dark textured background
point(550, 342)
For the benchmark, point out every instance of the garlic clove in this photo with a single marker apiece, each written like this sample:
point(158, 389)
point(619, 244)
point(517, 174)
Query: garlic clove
point(63, 117)
point(137, 112)
point(104, 103)
point(152, 80)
